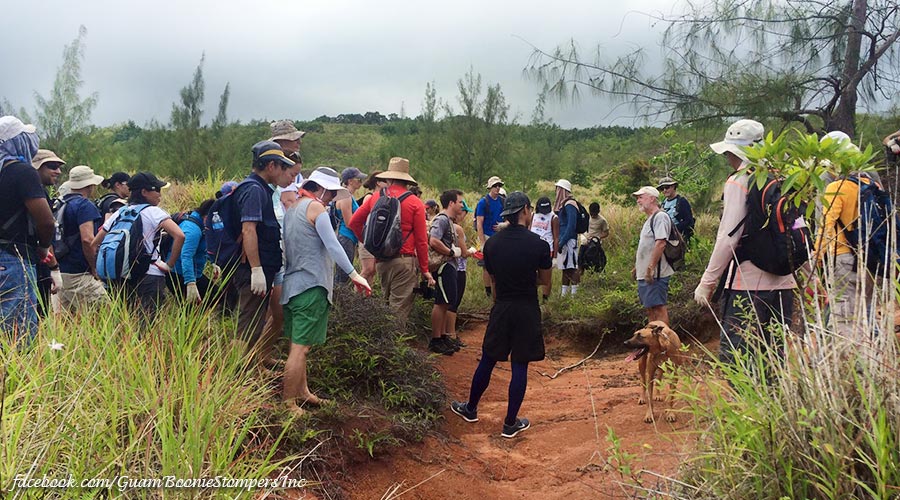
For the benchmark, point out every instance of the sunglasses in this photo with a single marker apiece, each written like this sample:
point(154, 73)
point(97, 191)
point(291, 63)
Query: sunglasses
point(52, 166)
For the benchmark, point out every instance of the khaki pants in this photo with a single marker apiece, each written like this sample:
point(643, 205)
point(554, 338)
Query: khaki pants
point(82, 289)
point(398, 278)
point(849, 303)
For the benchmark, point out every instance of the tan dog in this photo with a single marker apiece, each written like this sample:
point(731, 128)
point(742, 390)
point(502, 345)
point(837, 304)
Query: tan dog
point(655, 343)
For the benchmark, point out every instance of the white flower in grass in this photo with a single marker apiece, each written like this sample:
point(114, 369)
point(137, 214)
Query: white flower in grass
point(55, 346)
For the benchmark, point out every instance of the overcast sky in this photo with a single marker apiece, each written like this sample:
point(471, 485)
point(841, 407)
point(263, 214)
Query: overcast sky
point(298, 59)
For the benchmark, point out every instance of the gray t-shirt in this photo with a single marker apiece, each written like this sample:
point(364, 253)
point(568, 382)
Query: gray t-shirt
point(442, 229)
point(661, 227)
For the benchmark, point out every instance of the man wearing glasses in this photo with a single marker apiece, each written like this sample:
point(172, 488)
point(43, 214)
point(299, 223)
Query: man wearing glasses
point(677, 206)
point(49, 168)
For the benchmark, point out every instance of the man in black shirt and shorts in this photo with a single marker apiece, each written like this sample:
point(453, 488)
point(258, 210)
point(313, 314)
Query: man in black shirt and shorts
point(518, 261)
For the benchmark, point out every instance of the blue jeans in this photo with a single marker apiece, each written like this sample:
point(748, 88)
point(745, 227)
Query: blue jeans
point(18, 297)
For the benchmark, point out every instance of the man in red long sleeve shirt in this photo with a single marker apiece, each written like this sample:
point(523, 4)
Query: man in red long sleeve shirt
point(398, 275)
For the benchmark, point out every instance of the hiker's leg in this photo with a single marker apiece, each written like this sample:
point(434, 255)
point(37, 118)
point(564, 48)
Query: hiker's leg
point(517, 385)
point(274, 326)
point(480, 380)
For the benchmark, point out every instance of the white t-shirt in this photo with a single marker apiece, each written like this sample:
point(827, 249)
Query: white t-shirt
point(151, 218)
point(542, 225)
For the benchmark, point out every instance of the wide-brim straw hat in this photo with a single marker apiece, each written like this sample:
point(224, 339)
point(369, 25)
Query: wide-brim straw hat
point(398, 169)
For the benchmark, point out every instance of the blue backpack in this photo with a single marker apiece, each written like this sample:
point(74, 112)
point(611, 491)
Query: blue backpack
point(222, 230)
point(122, 254)
point(873, 228)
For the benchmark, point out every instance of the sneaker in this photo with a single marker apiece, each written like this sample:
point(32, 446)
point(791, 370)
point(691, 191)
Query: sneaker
point(510, 431)
point(462, 409)
point(452, 342)
point(458, 341)
point(440, 347)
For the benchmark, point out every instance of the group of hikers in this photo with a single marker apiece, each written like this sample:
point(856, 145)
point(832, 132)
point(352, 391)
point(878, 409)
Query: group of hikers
point(278, 243)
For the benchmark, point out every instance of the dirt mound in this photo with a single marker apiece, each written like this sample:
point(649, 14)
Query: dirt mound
point(565, 453)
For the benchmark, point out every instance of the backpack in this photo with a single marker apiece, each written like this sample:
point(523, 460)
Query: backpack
point(873, 228)
point(165, 239)
point(593, 257)
point(584, 218)
point(63, 244)
point(436, 260)
point(675, 247)
point(775, 238)
point(382, 236)
point(122, 254)
point(222, 230)
point(103, 203)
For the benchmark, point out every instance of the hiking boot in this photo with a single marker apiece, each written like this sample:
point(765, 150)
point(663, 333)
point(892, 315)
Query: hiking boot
point(510, 431)
point(439, 346)
point(455, 343)
point(462, 409)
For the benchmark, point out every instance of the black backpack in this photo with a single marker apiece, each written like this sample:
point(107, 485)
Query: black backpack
point(165, 239)
point(63, 244)
point(584, 218)
point(772, 240)
point(873, 230)
point(104, 203)
point(382, 235)
point(675, 249)
point(593, 257)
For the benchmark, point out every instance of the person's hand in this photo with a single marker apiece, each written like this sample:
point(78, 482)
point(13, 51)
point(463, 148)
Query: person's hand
point(648, 276)
point(56, 277)
point(500, 226)
point(702, 294)
point(361, 284)
point(162, 266)
point(192, 294)
point(895, 147)
point(455, 251)
point(633, 273)
point(258, 281)
point(216, 272)
point(429, 279)
point(471, 250)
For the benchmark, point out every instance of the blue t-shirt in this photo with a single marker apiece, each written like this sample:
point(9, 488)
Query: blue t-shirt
point(193, 256)
point(255, 205)
point(490, 209)
point(343, 230)
point(77, 211)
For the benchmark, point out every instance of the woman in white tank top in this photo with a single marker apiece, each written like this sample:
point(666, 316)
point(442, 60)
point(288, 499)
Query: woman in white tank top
point(545, 223)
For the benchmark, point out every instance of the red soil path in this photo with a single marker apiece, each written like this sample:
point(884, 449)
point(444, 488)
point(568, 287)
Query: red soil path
point(565, 453)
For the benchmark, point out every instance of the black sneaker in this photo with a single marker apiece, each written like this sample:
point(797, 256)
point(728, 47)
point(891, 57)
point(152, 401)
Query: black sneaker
point(458, 341)
point(440, 347)
point(462, 409)
point(510, 431)
point(452, 342)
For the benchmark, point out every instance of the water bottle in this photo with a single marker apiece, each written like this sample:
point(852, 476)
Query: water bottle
point(217, 223)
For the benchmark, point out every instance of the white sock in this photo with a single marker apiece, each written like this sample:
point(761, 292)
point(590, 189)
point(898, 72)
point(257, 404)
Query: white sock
point(573, 289)
point(564, 291)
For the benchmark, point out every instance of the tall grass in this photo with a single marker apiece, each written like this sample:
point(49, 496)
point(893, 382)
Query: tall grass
point(820, 421)
point(175, 400)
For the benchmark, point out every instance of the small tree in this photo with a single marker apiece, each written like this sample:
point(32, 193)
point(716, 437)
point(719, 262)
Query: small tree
point(64, 112)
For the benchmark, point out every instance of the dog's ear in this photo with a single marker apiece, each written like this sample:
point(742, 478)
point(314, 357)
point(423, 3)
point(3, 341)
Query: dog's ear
point(656, 329)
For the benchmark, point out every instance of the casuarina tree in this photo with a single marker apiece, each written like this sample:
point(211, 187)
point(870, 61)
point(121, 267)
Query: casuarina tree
point(808, 61)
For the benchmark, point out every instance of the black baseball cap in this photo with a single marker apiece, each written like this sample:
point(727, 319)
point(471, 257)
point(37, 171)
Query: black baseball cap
point(515, 201)
point(111, 181)
point(146, 180)
point(543, 205)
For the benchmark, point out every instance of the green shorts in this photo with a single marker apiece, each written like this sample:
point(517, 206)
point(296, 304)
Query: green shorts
point(306, 317)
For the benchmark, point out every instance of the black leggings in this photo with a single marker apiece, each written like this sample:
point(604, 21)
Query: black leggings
point(460, 290)
point(517, 385)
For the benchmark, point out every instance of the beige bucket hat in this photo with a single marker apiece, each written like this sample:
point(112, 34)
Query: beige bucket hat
point(398, 169)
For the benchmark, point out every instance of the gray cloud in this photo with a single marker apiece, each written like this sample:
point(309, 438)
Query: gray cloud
point(302, 59)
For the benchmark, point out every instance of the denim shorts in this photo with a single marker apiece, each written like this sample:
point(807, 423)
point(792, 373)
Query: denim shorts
point(279, 277)
point(654, 294)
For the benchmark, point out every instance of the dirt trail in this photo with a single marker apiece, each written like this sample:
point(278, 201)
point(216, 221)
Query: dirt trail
point(562, 455)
